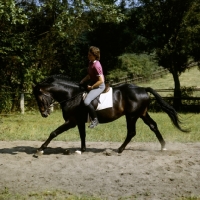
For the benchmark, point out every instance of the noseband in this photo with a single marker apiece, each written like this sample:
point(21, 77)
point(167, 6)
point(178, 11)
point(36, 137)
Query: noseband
point(48, 101)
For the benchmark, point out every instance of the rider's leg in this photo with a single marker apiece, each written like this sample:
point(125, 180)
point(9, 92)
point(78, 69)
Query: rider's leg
point(93, 116)
point(92, 95)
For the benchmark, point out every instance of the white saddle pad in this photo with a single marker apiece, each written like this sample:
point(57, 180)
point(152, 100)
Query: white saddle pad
point(106, 100)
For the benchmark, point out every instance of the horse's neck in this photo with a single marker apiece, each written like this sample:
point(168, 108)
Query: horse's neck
point(62, 93)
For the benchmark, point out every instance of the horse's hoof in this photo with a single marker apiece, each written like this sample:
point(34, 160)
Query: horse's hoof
point(38, 153)
point(120, 151)
point(163, 149)
point(78, 152)
point(83, 150)
point(67, 152)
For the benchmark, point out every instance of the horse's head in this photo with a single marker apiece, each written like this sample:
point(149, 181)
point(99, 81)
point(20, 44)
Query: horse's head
point(56, 88)
point(44, 100)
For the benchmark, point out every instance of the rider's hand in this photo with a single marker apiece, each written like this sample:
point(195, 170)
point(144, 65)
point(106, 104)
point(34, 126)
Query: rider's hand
point(89, 87)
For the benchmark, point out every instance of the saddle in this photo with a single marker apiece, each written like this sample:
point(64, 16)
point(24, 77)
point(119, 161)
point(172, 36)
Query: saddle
point(107, 88)
point(106, 98)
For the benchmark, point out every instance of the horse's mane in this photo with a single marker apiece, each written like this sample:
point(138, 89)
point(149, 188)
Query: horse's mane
point(65, 80)
point(58, 78)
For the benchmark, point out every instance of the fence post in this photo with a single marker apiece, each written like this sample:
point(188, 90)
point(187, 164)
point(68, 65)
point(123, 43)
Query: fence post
point(22, 103)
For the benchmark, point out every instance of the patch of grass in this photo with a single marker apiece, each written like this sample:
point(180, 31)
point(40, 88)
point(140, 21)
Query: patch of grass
point(63, 195)
point(34, 127)
point(189, 198)
point(31, 126)
point(45, 195)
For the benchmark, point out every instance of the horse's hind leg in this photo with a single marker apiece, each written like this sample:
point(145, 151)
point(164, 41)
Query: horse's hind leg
point(131, 131)
point(153, 126)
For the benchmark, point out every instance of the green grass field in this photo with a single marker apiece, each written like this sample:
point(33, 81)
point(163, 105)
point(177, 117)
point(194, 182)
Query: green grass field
point(34, 127)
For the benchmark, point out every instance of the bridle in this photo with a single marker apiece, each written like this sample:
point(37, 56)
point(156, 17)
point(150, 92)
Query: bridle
point(50, 103)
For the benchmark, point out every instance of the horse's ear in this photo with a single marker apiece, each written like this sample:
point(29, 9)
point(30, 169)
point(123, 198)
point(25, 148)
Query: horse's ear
point(38, 89)
point(41, 90)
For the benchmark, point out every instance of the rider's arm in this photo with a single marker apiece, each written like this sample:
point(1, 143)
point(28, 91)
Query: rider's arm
point(99, 82)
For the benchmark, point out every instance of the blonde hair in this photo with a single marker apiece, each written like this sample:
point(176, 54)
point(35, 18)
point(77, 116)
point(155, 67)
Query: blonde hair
point(95, 51)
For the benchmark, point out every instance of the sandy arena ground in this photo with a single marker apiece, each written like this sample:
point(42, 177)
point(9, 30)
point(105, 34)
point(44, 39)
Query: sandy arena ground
point(141, 171)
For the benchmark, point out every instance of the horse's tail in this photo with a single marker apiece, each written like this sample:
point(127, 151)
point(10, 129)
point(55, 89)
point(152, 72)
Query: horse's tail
point(173, 115)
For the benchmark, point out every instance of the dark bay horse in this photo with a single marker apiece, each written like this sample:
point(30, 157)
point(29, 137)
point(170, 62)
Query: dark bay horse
point(128, 99)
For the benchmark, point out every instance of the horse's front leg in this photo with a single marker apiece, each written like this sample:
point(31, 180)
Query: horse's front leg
point(67, 125)
point(81, 128)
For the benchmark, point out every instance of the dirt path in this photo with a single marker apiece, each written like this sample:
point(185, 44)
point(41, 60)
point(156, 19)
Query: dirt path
point(142, 171)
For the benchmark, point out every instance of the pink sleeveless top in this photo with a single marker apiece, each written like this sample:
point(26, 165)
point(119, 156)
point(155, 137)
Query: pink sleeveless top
point(95, 70)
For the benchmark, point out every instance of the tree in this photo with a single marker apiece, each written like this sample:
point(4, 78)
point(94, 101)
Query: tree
point(171, 28)
point(13, 47)
point(60, 30)
point(38, 38)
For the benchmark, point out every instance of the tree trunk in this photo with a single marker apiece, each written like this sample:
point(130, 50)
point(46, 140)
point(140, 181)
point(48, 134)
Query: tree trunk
point(177, 91)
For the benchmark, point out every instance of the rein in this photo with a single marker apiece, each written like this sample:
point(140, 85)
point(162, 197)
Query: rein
point(66, 100)
point(70, 99)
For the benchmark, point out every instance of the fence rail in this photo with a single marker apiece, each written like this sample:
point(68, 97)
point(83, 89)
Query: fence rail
point(139, 79)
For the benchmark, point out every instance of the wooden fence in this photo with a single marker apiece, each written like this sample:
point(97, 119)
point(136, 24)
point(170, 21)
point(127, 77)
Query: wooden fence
point(139, 79)
point(190, 103)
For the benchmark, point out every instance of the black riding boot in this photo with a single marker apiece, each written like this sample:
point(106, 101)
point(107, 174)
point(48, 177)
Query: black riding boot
point(93, 115)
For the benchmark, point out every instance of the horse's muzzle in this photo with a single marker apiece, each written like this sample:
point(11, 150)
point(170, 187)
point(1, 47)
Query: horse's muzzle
point(45, 114)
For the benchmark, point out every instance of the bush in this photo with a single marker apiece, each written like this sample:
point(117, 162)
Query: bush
point(132, 65)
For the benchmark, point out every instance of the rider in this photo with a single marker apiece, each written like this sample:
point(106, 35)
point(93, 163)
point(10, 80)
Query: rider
point(97, 85)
